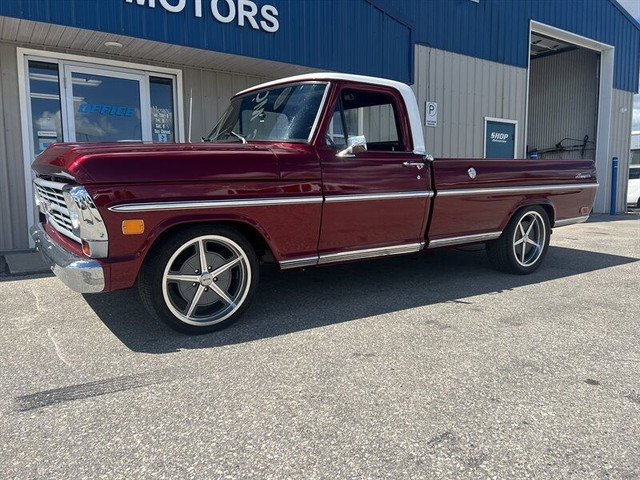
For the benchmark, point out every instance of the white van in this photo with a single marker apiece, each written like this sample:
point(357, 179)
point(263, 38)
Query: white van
point(633, 190)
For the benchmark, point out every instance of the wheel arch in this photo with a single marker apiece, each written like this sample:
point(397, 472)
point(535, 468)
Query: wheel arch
point(544, 203)
point(251, 230)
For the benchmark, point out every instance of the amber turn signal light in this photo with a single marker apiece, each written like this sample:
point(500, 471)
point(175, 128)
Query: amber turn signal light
point(86, 248)
point(132, 227)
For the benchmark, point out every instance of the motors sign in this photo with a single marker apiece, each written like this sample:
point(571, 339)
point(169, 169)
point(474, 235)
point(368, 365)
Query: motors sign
point(242, 12)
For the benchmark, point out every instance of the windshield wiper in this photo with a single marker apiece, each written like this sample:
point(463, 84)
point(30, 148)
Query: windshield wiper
point(244, 140)
point(229, 133)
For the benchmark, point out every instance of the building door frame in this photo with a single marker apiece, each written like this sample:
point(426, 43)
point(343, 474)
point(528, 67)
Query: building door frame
point(605, 99)
point(87, 63)
point(70, 69)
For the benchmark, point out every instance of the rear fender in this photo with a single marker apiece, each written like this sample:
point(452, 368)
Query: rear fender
point(530, 202)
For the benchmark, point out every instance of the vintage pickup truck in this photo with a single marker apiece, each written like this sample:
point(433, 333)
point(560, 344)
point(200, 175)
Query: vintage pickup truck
point(308, 170)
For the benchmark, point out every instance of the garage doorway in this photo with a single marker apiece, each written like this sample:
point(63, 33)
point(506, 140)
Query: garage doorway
point(570, 92)
point(563, 99)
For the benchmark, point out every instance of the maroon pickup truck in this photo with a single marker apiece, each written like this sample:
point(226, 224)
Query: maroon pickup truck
point(303, 171)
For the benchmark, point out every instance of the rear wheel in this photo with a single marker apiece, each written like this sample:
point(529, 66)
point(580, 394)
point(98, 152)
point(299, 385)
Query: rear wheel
point(523, 244)
point(200, 280)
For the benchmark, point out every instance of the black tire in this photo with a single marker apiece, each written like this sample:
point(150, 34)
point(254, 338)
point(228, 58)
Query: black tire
point(219, 298)
point(507, 255)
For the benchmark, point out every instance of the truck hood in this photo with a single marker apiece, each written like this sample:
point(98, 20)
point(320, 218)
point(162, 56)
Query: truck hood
point(128, 162)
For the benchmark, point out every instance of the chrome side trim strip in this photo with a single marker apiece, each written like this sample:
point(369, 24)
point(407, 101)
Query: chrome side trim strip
point(479, 237)
point(570, 221)
point(370, 252)
point(523, 189)
point(377, 196)
point(261, 202)
point(250, 202)
point(299, 262)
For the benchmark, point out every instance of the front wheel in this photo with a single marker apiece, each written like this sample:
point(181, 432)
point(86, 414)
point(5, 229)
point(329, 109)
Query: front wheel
point(200, 279)
point(523, 244)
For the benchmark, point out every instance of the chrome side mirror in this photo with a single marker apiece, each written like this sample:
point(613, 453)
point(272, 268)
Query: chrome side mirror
point(356, 144)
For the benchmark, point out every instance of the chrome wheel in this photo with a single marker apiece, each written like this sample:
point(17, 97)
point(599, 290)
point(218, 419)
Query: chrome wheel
point(206, 280)
point(529, 238)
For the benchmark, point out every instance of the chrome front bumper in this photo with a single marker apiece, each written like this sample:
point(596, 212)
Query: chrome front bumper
point(80, 274)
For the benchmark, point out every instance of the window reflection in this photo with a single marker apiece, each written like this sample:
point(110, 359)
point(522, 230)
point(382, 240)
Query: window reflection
point(44, 88)
point(106, 109)
point(106, 105)
point(162, 124)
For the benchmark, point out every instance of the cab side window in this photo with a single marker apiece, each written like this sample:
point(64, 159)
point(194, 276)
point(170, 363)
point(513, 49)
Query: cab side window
point(374, 115)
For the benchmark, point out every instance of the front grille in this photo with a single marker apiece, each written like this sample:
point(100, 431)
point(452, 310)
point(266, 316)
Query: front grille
point(52, 204)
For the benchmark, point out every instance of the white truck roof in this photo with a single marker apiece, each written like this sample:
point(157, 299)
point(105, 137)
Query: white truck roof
point(404, 89)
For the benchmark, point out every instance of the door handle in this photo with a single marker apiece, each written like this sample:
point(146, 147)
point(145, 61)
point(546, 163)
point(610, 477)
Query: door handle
point(418, 165)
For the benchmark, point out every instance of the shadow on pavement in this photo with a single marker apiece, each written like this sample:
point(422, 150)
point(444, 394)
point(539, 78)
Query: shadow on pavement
point(304, 299)
point(6, 278)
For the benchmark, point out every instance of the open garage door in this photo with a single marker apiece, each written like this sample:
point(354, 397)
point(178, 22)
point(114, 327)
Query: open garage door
point(563, 99)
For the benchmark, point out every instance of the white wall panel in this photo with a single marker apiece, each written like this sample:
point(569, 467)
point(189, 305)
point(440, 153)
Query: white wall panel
point(467, 89)
point(13, 209)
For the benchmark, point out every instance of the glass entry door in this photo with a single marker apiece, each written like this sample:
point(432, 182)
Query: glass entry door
point(106, 105)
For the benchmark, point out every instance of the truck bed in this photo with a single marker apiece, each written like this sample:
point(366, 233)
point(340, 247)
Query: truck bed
point(465, 206)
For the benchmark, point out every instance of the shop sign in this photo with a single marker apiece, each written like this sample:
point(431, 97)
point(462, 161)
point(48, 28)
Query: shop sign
point(500, 138)
point(242, 12)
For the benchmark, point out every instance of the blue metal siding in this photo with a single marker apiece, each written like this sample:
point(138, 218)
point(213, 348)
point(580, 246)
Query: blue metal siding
point(498, 30)
point(352, 36)
point(373, 37)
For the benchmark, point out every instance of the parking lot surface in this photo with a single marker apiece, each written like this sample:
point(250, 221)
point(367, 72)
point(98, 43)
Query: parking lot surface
point(425, 366)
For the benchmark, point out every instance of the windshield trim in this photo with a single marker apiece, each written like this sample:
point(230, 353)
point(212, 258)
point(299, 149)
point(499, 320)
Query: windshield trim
point(319, 113)
point(316, 121)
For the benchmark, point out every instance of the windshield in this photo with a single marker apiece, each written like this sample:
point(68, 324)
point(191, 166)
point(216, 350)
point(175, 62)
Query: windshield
point(285, 113)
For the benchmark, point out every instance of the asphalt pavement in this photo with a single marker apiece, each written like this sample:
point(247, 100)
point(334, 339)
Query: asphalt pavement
point(431, 365)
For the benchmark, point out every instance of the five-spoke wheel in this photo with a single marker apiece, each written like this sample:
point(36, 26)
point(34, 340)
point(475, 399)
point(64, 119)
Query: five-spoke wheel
point(523, 244)
point(200, 279)
point(529, 238)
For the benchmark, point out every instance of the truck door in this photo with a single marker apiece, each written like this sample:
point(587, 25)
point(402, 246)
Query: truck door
point(376, 199)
